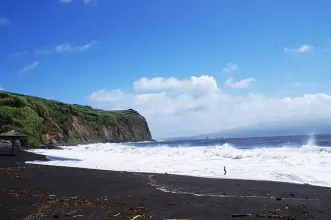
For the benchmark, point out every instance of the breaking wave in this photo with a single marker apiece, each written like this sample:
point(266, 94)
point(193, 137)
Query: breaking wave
point(306, 164)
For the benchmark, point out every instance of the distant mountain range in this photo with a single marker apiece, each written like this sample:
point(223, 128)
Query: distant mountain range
point(315, 126)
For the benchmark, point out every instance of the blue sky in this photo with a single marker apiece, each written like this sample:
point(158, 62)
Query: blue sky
point(70, 50)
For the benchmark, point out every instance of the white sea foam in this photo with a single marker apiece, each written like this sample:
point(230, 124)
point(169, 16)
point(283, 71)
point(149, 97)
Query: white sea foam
point(306, 164)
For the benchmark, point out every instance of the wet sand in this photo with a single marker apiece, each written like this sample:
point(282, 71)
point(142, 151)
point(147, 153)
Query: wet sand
point(45, 192)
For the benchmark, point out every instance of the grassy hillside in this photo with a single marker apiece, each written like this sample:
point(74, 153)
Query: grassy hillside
point(47, 121)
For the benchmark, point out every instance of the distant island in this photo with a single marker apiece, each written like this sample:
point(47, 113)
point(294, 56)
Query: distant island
point(48, 122)
point(270, 129)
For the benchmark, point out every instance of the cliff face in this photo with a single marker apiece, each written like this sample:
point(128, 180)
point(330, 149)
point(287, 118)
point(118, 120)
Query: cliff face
point(52, 122)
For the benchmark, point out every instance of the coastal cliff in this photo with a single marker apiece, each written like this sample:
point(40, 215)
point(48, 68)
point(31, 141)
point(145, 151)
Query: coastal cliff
point(51, 122)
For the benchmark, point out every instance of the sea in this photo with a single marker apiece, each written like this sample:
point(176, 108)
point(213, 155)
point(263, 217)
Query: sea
point(293, 159)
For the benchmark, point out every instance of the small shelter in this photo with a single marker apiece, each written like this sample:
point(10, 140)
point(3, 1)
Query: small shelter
point(12, 136)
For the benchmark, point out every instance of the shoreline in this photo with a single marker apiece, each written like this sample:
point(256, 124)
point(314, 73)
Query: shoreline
point(172, 174)
point(261, 164)
point(180, 175)
point(29, 191)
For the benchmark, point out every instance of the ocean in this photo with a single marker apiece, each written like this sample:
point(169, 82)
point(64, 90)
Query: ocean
point(294, 159)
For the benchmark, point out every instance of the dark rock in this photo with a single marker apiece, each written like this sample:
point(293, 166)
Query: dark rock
point(241, 215)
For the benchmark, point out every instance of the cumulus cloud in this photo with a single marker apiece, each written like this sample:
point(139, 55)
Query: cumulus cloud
point(160, 83)
point(67, 47)
point(230, 67)
point(1, 89)
point(29, 67)
point(241, 84)
point(157, 83)
point(302, 49)
point(105, 96)
point(199, 106)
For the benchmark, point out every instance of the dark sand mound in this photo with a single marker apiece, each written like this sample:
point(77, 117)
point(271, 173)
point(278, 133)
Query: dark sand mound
point(45, 192)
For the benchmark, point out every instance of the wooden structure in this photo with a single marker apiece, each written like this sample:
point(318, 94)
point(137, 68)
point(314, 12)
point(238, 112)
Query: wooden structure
point(12, 136)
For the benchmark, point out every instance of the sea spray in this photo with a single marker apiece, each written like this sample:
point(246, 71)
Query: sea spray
point(311, 141)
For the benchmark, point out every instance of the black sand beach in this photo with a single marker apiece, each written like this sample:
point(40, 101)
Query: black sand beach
point(44, 192)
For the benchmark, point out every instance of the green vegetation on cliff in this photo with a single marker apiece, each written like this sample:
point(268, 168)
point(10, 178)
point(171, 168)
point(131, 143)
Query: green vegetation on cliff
point(47, 121)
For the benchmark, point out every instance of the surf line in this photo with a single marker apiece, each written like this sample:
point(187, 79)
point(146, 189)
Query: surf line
point(165, 189)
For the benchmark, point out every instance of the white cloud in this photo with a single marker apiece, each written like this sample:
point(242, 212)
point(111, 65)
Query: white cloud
point(301, 84)
point(160, 83)
point(30, 67)
point(157, 83)
point(302, 49)
point(17, 54)
point(105, 96)
point(4, 21)
point(66, 47)
point(189, 110)
point(296, 84)
point(44, 51)
point(230, 67)
point(305, 48)
point(241, 84)
point(60, 48)
point(85, 1)
point(1, 89)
